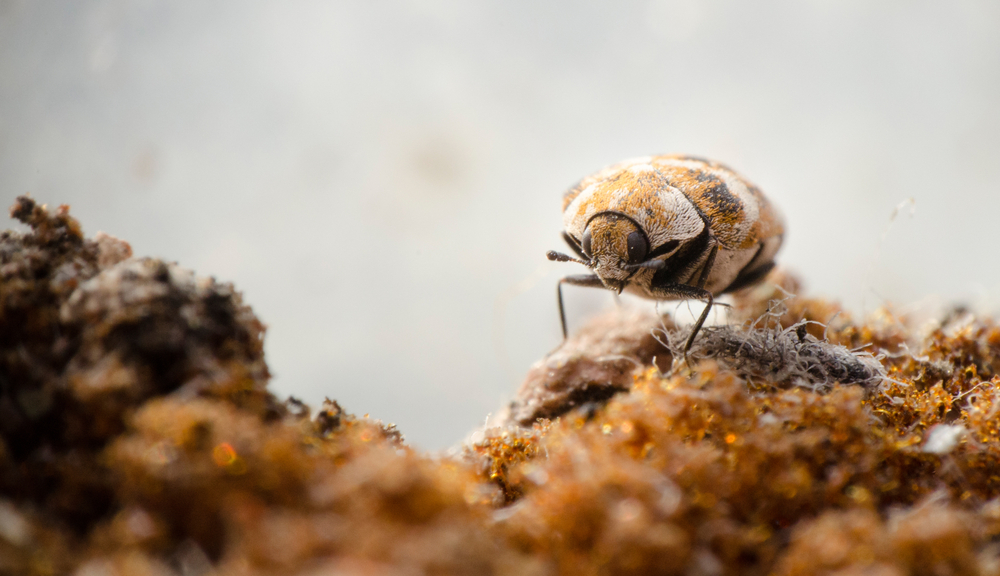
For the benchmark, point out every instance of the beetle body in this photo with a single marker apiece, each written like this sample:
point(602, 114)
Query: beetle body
point(669, 228)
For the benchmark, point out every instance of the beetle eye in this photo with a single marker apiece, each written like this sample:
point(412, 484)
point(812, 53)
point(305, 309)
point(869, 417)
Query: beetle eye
point(637, 247)
point(585, 243)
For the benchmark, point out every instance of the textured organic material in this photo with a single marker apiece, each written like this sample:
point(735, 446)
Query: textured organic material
point(590, 367)
point(138, 438)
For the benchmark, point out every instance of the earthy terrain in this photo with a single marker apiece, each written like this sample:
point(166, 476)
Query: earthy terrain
point(137, 436)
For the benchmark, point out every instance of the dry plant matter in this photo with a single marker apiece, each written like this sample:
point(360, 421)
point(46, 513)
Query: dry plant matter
point(766, 351)
point(139, 437)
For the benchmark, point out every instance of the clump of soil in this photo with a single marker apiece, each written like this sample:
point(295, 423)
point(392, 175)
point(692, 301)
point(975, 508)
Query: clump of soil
point(137, 436)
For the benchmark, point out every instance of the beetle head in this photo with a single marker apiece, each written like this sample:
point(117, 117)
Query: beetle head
point(615, 245)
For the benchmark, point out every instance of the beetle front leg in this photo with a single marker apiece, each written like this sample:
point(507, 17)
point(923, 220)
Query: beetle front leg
point(685, 292)
point(706, 270)
point(588, 280)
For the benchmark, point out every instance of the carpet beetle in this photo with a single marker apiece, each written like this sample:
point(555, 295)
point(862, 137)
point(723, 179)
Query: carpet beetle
point(669, 228)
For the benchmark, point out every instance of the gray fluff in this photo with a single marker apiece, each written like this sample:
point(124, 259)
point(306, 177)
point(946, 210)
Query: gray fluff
point(789, 355)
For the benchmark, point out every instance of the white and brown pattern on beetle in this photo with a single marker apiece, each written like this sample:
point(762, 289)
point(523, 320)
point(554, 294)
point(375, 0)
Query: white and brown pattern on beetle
point(673, 198)
point(669, 228)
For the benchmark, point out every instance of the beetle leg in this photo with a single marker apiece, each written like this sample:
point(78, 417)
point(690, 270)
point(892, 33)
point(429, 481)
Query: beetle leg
point(706, 270)
point(588, 280)
point(745, 278)
point(751, 272)
point(685, 292)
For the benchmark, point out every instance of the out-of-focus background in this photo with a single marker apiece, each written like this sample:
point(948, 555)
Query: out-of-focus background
point(382, 179)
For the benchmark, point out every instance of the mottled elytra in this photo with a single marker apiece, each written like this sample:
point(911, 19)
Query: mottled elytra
point(669, 228)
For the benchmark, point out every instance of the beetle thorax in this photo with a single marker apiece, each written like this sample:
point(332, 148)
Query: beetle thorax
point(643, 195)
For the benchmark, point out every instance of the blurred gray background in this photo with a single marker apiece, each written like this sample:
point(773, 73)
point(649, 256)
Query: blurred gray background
point(382, 179)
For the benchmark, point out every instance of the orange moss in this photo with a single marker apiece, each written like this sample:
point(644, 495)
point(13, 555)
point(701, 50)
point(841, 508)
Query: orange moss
point(138, 437)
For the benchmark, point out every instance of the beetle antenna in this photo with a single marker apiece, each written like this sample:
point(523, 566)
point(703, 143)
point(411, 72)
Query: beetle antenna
point(560, 257)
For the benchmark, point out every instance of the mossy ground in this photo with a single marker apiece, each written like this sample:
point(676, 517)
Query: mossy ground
point(138, 437)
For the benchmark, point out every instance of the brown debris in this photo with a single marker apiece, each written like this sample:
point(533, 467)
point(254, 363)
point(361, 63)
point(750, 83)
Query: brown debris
point(591, 366)
point(499, 452)
point(931, 538)
point(138, 438)
point(86, 336)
